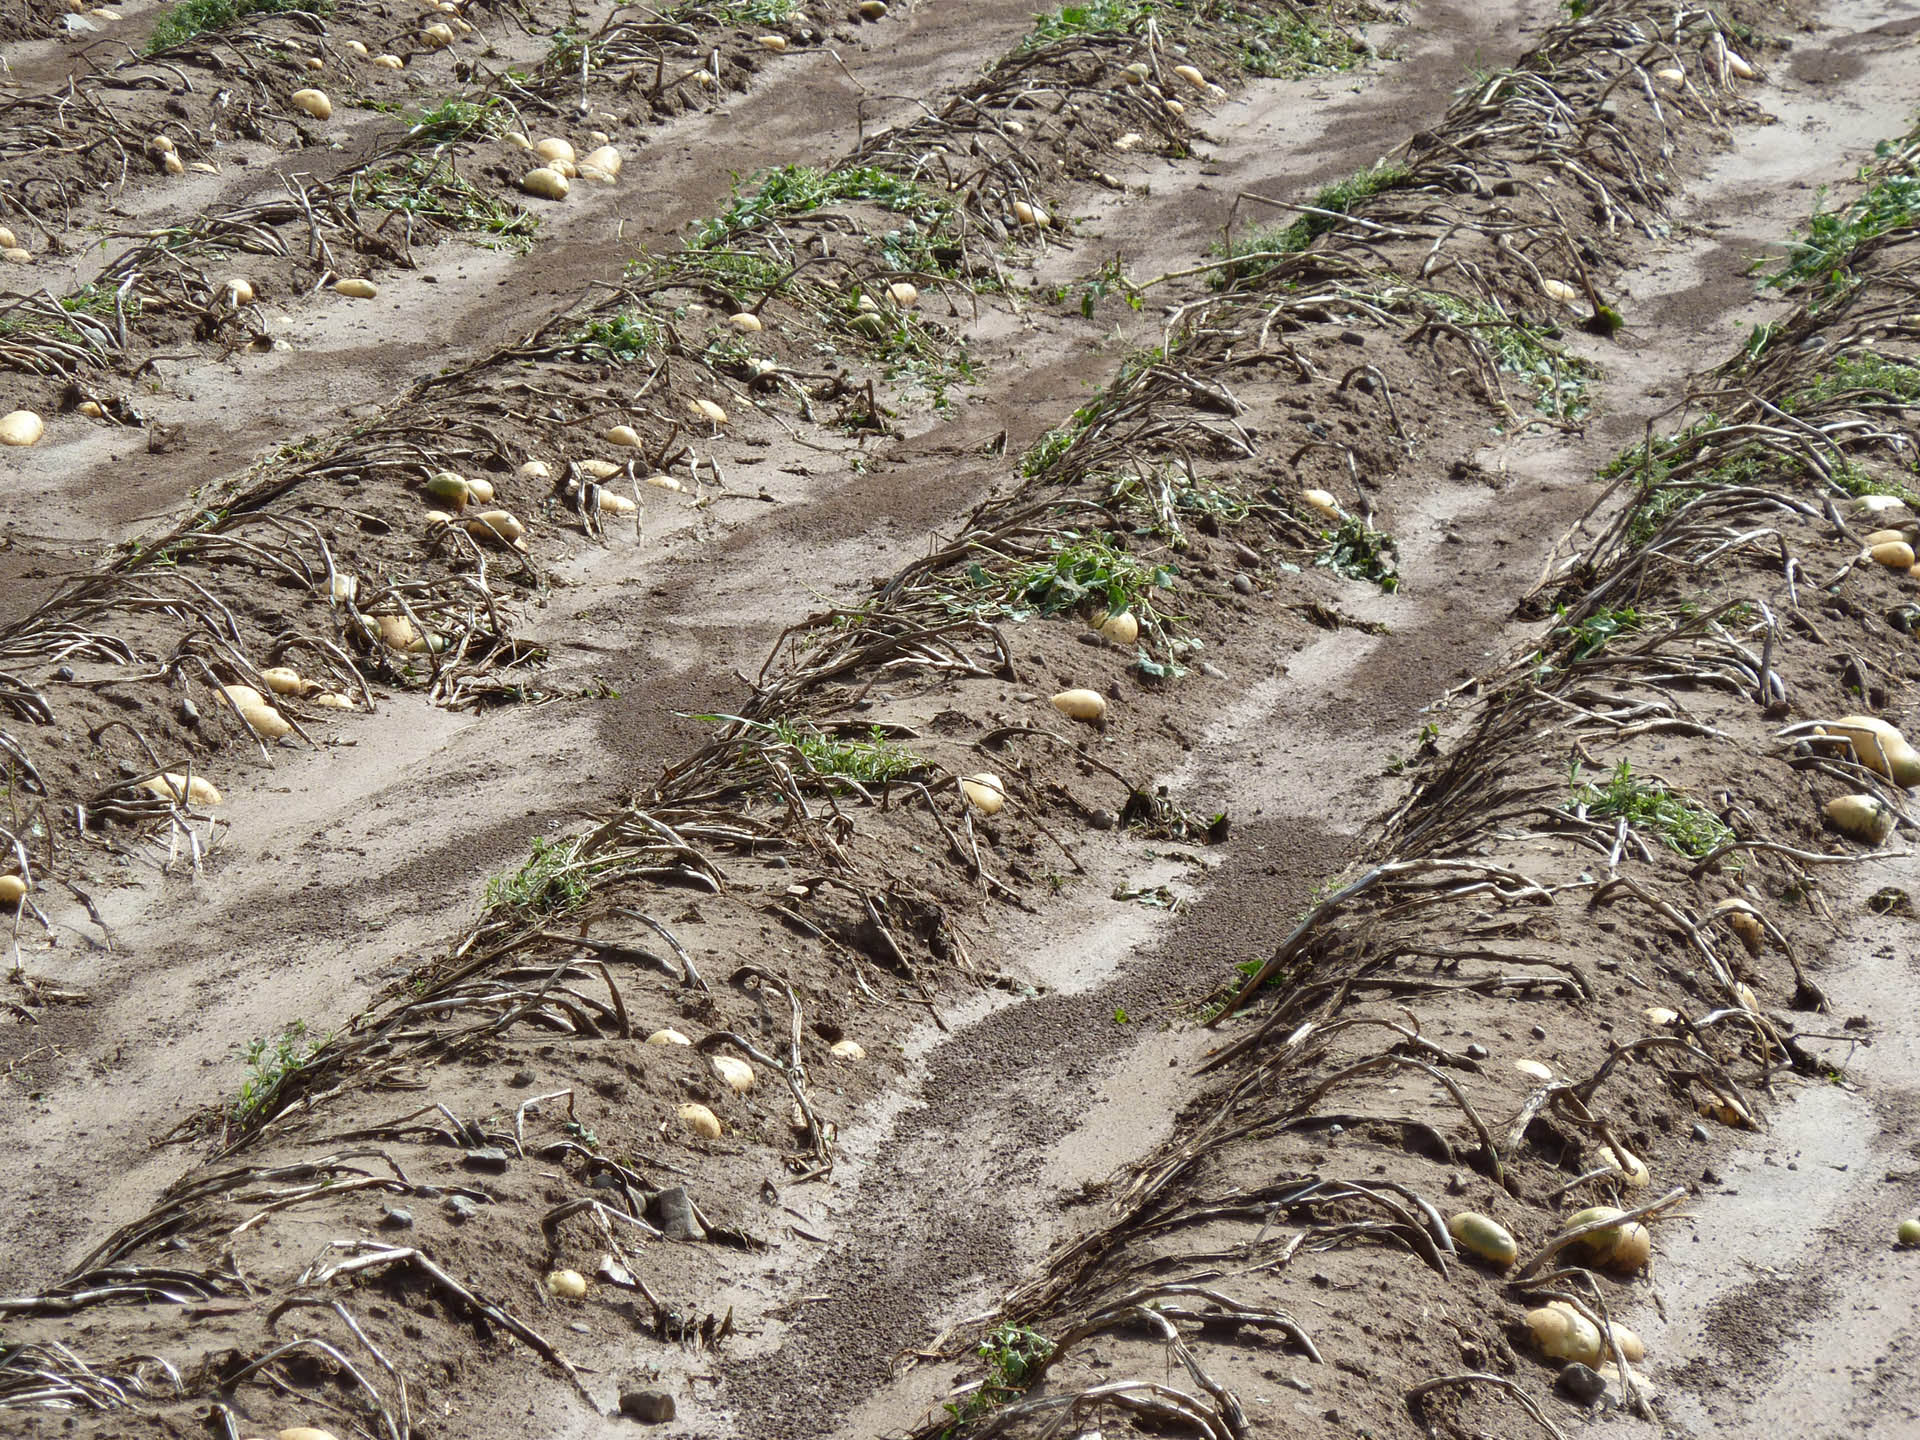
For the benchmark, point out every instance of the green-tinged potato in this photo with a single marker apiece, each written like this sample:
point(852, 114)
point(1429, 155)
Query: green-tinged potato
point(450, 489)
point(1563, 1333)
point(1483, 1237)
point(1909, 1231)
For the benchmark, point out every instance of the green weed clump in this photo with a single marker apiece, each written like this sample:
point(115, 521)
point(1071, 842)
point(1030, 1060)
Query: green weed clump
point(182, 22)
point(1259, 250)
point(1681, 826)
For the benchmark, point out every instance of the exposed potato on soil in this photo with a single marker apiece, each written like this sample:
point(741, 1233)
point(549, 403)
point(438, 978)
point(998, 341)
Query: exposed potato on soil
point(1031, 216)
point(600, 469)
point(335, 702)
point(873, 9)
point(566, 1284)
point(12, 890)
point(449, 489)
point(1671, 74)
point(283, 680)
point(546, 183)
point(668, 1037)
point(708, 411)
point(244, 695)
point(1630, 1167)
point(1866, 818)
point(437, 37)
point(1877, 745)
point(266, 722)
point(1739, 68)
point(904, 295)
point(1486, 1238)
point(397, 632)
point(16, 255)
point(1121, 629)
point(1744, 921)
point(849, 1050)
point(737, 1074)
point(775, 43)
point(1191, 74)
point(239, 292)
point(312, 102)
point(1560, 292)
point(554, 148)
point(746, 322)
point(624, 435)
point(601, 165)
point(355, 287)
point(664, 482)
point(1534, 1070)
point(701, 1121)
point(357, 47)
point(1624, 1247)
point(613, 504)
point(389, 62)
point(21, 427)
point(984, 792)
point(1322, 502)
point(1660, 1015)
point(501, 525)
point(195, 791)
point(1563, 1333)
point(537, 470)
point(1909, 1233)
point(8, 240)
point(1894, 554)
point(1081, 704)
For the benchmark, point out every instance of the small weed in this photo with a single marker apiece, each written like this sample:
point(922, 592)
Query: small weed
point(622, 337)
point(798, 189)
point(453, 120)
point(872, 761)
point(754, 12)
point(1591, 635)
point(1559, 380)
point(269, 1062)
point(1120, 1015)
point(429, 188)
point(1823, 257)
point(1080, 569)
point(1360, 552)
point(1099, 17)
point(189, 18)
point(1267, 241)
point(1862, 377)
point(551, 882)
point(1681, 826)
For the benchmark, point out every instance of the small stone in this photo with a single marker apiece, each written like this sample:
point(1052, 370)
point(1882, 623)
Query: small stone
point(189, 713)
point(1477, 1051)
point(1101, 820)
point(1539, 1032)
point(1581, 1384)
point(490, 1158)
point(650, 1407)
point(672, 1211)
point(521, 1079)
point(1246, 554)
point(1242, 585)
point(1699, 1132)
point(461, 1208)
point(1026, 697)
point(1709, 1177)
point(65, 672)
point(395, 1218)
point(1207, 667)
point(1091, 637)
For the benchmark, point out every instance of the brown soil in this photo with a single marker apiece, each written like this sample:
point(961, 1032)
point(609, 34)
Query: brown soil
point(1031, 1118)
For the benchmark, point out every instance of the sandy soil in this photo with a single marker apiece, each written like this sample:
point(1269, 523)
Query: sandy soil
point(981, 1144)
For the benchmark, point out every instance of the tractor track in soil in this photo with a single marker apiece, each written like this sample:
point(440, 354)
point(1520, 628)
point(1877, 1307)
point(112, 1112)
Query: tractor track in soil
point(1024, 1113)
